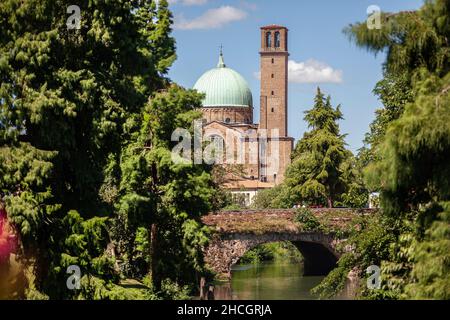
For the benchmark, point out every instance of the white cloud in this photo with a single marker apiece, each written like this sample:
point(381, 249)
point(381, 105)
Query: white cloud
point(310, 71)
point(313, 71)
point(189, 2)
point(213, 18)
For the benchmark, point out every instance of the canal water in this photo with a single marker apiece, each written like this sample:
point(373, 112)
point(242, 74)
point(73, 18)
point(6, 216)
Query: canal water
point(268, 281)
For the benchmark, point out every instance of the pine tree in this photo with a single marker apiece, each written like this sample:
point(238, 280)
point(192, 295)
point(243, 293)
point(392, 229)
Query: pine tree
point(315, 175)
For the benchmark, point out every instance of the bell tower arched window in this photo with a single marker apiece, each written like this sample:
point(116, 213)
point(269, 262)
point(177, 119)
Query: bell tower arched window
point(269, 39)
point(277, 39)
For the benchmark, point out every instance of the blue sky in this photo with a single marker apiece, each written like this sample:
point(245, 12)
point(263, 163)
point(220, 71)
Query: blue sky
point(321, 55)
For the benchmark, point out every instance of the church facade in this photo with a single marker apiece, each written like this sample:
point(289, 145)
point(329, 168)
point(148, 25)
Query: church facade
point(261, 152)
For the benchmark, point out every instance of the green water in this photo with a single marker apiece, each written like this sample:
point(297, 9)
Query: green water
point(268, 281)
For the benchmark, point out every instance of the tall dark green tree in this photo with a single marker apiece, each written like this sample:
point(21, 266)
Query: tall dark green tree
point(416, 70)
point(410, 164)
point(356, 194)
point(315, 175)
point(412, 40)
point(68, 101)
point(165, 197)
point(394, 92)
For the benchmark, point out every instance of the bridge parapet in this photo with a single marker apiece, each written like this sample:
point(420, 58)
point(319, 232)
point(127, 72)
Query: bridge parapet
point(278, 220)
point(236, 232)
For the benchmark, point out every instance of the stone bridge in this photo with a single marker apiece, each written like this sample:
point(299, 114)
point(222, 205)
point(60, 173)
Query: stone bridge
point(236, 232)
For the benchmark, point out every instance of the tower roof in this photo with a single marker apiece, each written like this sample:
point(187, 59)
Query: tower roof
point(224, 87)
point(273, 26)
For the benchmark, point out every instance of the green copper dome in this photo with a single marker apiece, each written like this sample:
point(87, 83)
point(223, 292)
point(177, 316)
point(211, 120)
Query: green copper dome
point(224, 87)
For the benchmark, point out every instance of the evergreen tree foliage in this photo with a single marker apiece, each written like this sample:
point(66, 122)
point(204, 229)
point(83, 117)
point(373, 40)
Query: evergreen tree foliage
point(315, 175)
point(415, 166)
point(70, 100)
point(431, 256)
point(172, 196)
point(410, 164)
point(356, 194)
point(394, 92)
point(323, 172)
point(274, 198)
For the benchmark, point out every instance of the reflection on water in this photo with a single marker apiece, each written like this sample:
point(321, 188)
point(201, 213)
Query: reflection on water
point(269, 281)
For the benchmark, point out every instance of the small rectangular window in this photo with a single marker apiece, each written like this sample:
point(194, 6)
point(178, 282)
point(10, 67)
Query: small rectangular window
point(273, 109)
point(273, 75)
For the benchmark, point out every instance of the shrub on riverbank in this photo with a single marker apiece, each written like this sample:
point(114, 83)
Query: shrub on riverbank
point(272, 252)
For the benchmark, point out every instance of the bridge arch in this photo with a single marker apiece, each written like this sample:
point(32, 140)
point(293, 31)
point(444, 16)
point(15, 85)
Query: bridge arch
point(317, 249)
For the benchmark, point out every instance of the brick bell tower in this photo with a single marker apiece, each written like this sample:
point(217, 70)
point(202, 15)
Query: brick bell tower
point(274, 101)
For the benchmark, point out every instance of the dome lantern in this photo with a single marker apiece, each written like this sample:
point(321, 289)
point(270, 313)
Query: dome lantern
point(221, 63)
